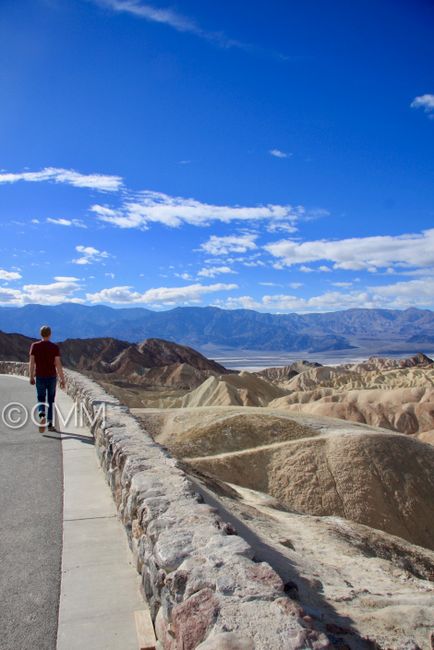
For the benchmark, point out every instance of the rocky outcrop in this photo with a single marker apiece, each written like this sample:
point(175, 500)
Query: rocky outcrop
point(201, 581)
point(285, 373)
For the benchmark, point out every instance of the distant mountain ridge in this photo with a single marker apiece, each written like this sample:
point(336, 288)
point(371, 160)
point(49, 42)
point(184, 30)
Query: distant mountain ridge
point(240, 328)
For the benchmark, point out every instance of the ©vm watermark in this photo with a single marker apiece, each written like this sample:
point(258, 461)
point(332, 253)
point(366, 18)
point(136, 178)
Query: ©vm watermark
point(16, 415)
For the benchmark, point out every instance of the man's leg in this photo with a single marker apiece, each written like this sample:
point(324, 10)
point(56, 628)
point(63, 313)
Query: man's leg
point(41, 391)
point(51, 395)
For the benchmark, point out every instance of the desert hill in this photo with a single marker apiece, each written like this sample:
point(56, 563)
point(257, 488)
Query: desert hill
point(349, 475)
point(396, 394)
point(314, 465)
point(407, 410)
point(152, 362)
point(377, 372)
point(285, 373)
point(244, 389)
point(14, 347)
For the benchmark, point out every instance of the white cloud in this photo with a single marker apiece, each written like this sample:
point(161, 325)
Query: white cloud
point(303, 268)
point(10, 296)
point(253, 263)
point(212, 271)
point(66, 278)
point(409, 250)
point(277, 153)
point(413, 293)
point(164, 295)
point(342, 284)
point(281, 226)
point(61, 290)
point(65, 222)
point(183, 276)
point(101, 182)
point(239, 302)
point(156, 207)
point(9, 275)
point(426, 102)
point(89, 255)
point(229, 244)
point(401, 295)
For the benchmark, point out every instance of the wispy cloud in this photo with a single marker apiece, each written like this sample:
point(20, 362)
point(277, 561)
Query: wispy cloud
point(212, 271)
point(172, 19)
point(281, 226)
point(162, 295)
point(89, 255)
point(426, 102)
point(173, 211)
point(363, 253)
point(277, 153)
point(65, 222)
point(100, 182)
point(229, 244)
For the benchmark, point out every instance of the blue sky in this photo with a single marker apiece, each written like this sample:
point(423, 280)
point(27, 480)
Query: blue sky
point(272, 155)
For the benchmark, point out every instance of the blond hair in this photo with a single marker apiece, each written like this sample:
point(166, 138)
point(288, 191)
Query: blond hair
point(45, 331)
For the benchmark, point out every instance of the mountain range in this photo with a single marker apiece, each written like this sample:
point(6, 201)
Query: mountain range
point(239, 328)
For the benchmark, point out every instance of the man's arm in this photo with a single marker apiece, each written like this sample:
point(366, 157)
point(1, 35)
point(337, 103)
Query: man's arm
point(59, 369)
point(32, 366)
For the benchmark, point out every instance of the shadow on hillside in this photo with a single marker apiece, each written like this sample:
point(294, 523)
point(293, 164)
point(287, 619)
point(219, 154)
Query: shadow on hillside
point(308, 593)
point(65, 435)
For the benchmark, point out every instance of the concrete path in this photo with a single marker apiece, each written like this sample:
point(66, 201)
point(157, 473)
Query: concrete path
point(97, 583)
point(30, 528)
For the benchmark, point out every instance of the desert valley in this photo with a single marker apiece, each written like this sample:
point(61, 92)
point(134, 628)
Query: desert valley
point(327, 471)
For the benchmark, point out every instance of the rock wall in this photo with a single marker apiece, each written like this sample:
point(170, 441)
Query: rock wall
point(200, 579)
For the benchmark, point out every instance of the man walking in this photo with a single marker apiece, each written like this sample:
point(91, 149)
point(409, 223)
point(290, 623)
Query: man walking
point(44, 367)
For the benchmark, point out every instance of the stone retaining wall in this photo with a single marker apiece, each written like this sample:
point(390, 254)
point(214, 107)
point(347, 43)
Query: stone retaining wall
point(203, 587)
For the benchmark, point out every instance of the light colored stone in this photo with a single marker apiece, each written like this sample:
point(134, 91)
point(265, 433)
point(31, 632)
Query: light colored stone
point(226, 641)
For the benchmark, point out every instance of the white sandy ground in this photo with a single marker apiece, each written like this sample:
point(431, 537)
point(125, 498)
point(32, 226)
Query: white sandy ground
point(341, 577)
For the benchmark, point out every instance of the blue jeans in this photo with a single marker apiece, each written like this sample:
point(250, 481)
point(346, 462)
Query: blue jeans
point(46, 392)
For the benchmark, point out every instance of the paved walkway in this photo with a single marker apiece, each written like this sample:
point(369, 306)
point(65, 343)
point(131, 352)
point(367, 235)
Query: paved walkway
point(30, 529)
point(82, 592)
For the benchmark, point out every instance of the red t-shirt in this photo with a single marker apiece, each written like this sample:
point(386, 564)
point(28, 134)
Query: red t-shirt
point(45, 352)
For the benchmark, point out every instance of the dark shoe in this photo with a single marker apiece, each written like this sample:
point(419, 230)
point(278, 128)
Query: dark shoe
point(52, 428)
